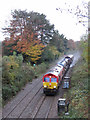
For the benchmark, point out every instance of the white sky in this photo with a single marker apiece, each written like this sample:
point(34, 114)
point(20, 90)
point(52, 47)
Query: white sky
point(64, 22)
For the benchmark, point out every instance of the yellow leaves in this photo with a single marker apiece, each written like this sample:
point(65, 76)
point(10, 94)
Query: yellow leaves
point(35, 59)
point(28, 44)
point(11, 64)
point(31, 47)
point(35, 51)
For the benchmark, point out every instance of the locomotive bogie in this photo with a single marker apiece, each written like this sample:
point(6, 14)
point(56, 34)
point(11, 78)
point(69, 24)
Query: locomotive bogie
point(49, 91)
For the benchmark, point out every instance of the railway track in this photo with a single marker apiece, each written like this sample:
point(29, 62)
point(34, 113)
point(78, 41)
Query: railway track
point(35, 105)
point(32, 103)
point(21, 97)
point(47, 106)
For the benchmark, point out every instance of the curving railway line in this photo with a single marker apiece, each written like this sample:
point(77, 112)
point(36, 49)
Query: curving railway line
point(32, 103)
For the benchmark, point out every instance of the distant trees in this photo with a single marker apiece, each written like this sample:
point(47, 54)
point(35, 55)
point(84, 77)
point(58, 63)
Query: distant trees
point(42, 27)
point(49, 54)
point(31, 35)
point(71, 44)
point(59, 41)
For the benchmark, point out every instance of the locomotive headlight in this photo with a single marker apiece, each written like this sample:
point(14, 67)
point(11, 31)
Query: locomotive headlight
point(45, 86)
point(54, 86)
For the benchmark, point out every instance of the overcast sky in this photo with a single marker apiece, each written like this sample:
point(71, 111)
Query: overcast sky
point(65, 23)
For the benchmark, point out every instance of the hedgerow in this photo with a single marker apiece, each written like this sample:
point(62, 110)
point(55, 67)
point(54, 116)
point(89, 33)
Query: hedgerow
point(15, 74)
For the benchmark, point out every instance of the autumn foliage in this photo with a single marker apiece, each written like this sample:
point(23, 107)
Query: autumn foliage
point(29, 45)
point(29, 35)
point(26, 44)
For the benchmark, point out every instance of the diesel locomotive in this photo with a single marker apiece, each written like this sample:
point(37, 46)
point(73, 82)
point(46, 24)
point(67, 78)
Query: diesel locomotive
point(53, 78)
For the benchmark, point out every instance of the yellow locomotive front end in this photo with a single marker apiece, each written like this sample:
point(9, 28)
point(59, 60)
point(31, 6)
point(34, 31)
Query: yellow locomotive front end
point(50, 83)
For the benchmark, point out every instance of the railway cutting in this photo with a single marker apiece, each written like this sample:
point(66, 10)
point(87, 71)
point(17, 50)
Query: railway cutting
point(33, 101)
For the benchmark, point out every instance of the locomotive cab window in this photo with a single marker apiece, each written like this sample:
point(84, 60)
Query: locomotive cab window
point(46, 79)
point(53, 79)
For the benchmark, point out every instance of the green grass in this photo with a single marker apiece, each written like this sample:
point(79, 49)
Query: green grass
point(78, 93)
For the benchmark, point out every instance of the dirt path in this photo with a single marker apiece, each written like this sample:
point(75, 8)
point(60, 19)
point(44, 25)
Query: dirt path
point(30, 102)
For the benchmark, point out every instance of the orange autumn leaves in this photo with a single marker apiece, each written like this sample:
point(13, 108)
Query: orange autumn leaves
point(27, 44)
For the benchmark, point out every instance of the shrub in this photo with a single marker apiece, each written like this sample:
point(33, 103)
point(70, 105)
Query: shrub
point(40, 68)
point(6, 92)
point(28, 70)
point(47, 55)
point(20, 59)
point(15, 74)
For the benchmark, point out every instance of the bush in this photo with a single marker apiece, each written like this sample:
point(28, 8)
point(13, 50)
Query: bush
point(28, 70)
point(47, 55)
point(20, 59)
point(6, 92)
point(41, 68)
point(15, 75)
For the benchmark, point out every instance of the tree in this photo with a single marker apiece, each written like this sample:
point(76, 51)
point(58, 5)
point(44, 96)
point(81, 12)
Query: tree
point(47, 55)
point(23, 38)
point(71, 44)
point(7, 46)
point(29, 33)
point(33, 20)
point(24, 22)
point(30, 46)
point(27, 45)
point(59, 41)
point(42, 26)
point(55, 52)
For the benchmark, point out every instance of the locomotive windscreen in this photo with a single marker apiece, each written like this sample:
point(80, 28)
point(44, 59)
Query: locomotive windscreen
point(53, 79)
point(46, 79)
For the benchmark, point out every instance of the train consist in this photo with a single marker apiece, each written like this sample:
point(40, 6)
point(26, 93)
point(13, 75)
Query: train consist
point(53, 79)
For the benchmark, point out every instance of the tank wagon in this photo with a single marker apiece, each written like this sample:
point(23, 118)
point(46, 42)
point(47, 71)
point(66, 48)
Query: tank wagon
point(53, 78)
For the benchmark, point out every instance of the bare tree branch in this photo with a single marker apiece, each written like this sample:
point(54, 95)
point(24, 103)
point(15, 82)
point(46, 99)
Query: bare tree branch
point(80, 11)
